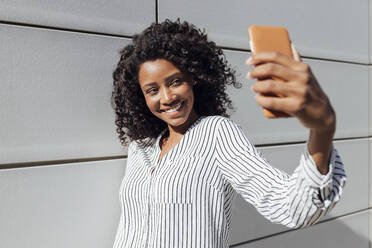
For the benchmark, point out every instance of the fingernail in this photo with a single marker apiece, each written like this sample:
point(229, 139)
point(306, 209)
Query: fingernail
point(249, 75)
point(252, 88)
point(249, 61)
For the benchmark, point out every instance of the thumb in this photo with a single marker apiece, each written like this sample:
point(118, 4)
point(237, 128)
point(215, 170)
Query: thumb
point(296, 55)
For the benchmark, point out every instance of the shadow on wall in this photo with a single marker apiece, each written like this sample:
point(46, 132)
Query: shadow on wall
point(349, 227)
point(350, 231)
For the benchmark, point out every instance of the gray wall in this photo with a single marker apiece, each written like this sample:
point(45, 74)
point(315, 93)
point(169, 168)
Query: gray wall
point(61, 163)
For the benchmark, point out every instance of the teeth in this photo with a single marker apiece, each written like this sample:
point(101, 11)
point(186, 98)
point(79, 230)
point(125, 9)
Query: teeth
point(174, 109)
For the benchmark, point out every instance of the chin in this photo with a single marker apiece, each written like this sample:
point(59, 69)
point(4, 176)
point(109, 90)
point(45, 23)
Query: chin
point(177, 123)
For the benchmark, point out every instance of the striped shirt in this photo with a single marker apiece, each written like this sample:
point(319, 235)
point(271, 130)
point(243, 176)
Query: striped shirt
point(186, 201)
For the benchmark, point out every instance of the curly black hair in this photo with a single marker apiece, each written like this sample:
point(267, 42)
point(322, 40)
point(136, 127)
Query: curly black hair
point(189, 50)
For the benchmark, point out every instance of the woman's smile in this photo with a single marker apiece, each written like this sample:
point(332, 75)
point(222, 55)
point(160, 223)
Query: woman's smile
point(173, 109)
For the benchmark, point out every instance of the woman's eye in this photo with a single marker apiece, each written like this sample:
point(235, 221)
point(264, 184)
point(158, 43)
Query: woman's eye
point(176, 81)
point(151, 91)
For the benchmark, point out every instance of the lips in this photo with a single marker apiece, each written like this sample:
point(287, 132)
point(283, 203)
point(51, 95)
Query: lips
point(174, 109)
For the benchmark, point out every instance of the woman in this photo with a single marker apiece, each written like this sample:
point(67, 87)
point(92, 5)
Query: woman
point(186, 159)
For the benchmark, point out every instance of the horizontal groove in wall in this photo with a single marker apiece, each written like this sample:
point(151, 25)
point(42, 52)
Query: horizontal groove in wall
point(292, 230)
point(57, 162)
point(130, 37)
point(82, 160)
point(65, 29)
point(304, 57)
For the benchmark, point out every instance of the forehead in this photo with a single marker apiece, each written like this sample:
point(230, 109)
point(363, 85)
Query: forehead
point(154, 70)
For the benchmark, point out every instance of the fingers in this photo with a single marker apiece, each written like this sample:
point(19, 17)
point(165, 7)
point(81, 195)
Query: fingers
point(269, 70)
point(284, 84)
point(272, 87)
point(288, 86)
point(278, 58)
point(265, 57)
point(281, 96)
point(285, 104)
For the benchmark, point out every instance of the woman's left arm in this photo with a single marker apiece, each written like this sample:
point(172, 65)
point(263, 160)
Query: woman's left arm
point(302, 97)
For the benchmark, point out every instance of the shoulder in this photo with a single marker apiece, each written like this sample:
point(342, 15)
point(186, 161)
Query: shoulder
point(217, 126)
point(209, 124)
point(132, 148)
point(230, 135)
point(218, 122)
point(215, 120)
point(140, 145)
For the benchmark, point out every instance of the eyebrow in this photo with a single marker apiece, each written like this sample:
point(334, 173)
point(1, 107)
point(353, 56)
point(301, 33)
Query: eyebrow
point(149, 84)
point(177, 74)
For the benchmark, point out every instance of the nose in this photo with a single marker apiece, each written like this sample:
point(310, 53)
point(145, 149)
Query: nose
point(166, 96)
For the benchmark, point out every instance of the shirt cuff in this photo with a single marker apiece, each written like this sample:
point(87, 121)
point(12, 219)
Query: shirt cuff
point(316, 178)
point(327, 188)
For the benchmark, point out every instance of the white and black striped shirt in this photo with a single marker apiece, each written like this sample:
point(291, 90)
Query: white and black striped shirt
point(186, 201)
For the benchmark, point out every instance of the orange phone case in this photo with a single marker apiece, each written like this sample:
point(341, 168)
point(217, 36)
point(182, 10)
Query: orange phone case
point(266, 39)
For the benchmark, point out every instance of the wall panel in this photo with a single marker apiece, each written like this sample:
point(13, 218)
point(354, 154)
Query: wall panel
point(332, 29)
point(369, 100)
point(370, 171)
point(55, 95)
point(247, 224)
point(67, 205)
point(369, 30)
point(337, 80)
point(114, 17)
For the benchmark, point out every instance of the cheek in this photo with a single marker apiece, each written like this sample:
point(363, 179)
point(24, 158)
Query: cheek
point(151, 104)
point(191, 95)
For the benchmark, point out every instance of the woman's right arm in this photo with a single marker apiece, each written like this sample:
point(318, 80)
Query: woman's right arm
point(295, 200)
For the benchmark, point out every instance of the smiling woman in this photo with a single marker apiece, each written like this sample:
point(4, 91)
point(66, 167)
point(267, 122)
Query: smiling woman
point(186, 159)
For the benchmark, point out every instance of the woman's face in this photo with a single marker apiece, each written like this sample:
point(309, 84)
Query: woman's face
point(168, 93)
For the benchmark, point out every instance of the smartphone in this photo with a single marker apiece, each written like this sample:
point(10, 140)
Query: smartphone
point(267, 39)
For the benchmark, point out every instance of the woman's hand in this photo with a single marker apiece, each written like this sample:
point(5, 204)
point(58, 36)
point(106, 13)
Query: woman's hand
point(300, 96)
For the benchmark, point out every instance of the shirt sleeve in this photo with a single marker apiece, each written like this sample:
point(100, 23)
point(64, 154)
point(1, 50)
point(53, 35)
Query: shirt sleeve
point(296, 200)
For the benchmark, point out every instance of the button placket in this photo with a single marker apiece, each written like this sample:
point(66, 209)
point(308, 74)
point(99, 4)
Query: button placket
point(152, 172)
